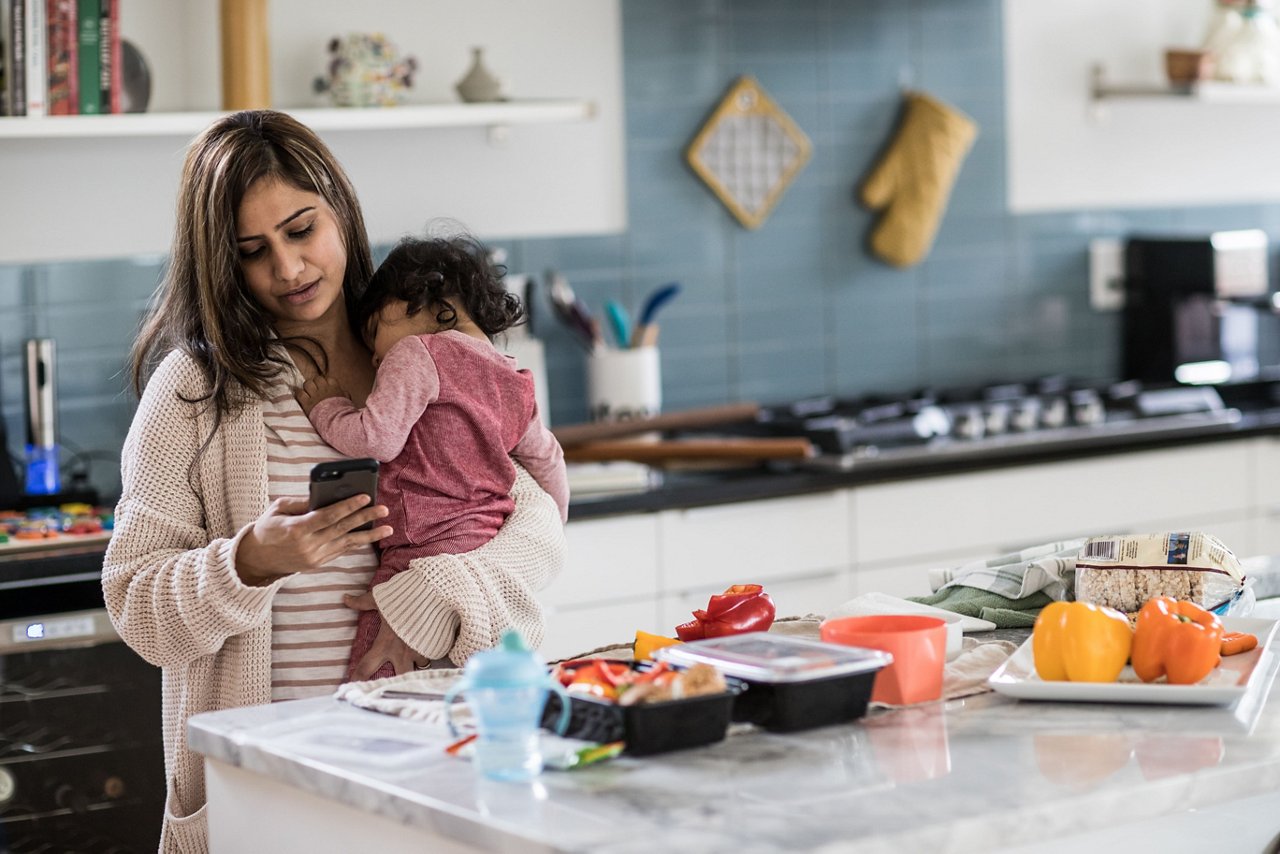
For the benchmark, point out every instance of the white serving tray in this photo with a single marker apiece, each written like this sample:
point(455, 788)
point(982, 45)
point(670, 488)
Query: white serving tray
point(1236, 676)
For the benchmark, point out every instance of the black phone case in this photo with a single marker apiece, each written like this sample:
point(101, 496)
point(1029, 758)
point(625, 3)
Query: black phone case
point(332, 482)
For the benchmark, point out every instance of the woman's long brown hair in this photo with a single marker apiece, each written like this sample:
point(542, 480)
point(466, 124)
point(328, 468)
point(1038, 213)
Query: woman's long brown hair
point(202, 306)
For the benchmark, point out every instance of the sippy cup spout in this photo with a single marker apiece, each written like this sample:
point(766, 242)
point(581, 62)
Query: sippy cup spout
point(513, 641)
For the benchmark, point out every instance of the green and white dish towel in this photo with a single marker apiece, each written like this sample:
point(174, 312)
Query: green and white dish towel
point(1008, 590)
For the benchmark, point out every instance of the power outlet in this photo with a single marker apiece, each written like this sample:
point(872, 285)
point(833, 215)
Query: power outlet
point(1106, 274)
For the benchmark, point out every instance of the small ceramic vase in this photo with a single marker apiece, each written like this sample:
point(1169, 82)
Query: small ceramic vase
point(479, 84)
point(1252, 56)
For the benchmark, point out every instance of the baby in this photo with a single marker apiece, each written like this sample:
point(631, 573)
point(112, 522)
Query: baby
point(448, 417)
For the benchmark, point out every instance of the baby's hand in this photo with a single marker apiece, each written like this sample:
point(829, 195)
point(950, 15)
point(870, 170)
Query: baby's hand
point(317, 389)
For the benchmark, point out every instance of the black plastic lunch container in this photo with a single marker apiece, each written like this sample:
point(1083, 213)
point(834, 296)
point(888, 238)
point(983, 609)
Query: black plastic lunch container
point(646, 728)
point(791, 683)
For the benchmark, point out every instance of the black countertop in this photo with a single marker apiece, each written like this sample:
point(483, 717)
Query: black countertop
point(684, 489)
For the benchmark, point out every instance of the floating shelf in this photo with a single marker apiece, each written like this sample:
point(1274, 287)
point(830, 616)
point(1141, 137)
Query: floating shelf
point(1205, 91)
point(491, 115)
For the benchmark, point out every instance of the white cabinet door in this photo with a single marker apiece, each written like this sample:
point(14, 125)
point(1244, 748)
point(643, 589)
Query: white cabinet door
point(909, 577)
point(1268, 495)
point(1008, 509)
point(609, 559)
point(709, 548)
point(574, 630)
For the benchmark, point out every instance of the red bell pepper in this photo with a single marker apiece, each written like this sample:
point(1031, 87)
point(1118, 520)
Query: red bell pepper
point(741, 608)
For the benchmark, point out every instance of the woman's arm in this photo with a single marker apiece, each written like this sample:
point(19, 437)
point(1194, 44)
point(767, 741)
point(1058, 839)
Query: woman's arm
point(196, 558)
point(170, 587)
point(485, 591)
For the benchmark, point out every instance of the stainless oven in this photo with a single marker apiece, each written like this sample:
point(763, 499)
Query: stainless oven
point(81, 751)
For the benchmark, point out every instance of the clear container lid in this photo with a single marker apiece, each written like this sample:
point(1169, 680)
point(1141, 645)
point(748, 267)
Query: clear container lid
point(767, 657)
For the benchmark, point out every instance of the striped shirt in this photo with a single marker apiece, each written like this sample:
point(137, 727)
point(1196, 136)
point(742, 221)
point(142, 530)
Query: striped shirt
point(311, 630)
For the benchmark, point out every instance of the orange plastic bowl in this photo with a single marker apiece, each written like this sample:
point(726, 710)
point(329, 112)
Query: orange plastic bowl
point(918, 645)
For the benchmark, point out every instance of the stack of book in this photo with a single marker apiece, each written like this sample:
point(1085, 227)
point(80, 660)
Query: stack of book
point(59, 57)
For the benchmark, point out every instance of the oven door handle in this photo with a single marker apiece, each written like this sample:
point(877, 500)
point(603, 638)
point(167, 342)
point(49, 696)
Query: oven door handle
point(68, 630)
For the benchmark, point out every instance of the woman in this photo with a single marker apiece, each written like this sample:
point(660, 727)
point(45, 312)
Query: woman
point(217, 572)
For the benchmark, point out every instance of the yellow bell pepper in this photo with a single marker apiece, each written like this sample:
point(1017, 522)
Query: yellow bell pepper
point(646, 643)
point(1080, 642)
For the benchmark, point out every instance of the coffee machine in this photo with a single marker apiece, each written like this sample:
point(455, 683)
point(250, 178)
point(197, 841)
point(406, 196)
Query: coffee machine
point(1193, 306)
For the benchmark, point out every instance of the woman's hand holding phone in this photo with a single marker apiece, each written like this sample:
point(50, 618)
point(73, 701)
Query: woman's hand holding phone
point(297, 534)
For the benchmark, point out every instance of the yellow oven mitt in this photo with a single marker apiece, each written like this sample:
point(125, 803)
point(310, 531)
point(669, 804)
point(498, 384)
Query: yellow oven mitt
point(913, 179)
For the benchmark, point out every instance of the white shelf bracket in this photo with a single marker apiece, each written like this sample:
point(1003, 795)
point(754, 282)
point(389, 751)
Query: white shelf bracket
point(1097, 93)
point(498, 135)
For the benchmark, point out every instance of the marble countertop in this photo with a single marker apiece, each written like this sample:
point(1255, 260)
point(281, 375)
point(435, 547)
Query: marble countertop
point(969, 774)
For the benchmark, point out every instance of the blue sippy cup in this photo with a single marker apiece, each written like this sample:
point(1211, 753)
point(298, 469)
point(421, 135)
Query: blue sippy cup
point(506, 689)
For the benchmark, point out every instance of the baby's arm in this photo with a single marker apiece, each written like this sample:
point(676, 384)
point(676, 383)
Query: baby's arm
point(540, 453)
point(406, 384)
point(317, 389)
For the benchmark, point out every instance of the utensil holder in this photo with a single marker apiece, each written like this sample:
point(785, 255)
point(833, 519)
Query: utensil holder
point(624, 384)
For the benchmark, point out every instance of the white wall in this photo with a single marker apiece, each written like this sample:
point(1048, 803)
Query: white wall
point(1137, 153)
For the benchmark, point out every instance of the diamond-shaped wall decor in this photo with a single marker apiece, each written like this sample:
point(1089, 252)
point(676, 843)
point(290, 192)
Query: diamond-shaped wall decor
point(749, 152)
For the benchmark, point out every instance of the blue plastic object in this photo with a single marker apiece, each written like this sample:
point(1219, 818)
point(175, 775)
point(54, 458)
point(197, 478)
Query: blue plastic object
point(657, 300)
point(42, 477)
point(506, 689)
point(619, 321)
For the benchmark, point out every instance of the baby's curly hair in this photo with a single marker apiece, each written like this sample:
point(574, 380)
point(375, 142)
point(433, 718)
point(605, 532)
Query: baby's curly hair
point(428, 273)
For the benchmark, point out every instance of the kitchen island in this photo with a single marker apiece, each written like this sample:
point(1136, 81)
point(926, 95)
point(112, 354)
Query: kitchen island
point(979, 773)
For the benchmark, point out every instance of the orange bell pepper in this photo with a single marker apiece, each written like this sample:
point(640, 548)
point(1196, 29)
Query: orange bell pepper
point(646, 643)
point(1080, 642)
point(1176, 639)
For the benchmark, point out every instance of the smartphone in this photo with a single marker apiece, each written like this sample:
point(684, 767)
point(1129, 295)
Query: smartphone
point(341, 479)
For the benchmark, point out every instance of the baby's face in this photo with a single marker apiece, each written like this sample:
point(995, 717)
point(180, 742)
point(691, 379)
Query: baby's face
point(391, 324)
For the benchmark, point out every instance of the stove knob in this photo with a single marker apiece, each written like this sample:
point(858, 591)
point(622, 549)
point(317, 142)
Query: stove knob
point(1087, 408)
point(967, 423)
point(1053, 413)
point(997, 418)
point(1025, 415)
point(931, 421)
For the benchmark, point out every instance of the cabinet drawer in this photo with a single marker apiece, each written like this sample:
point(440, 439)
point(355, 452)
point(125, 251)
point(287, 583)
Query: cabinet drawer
point(1012, 508)
point(609, 559)
point(1268, 486)
point(909, 577)
point(753, 542)
point(578, 629)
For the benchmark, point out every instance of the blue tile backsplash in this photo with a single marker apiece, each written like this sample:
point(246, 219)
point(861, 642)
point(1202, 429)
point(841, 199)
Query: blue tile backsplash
point(795, 308)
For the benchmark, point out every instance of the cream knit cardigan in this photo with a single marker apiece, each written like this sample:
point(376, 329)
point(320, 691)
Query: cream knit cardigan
point(172, 591)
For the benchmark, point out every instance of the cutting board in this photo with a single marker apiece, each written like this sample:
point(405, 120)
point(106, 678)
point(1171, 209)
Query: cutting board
point(57, 541)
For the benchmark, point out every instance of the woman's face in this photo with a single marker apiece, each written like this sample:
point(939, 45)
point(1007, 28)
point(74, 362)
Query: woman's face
point(291, 252)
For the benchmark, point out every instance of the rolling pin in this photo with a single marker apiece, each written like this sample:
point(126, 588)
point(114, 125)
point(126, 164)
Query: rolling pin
point(691, 449)
point(690, 419)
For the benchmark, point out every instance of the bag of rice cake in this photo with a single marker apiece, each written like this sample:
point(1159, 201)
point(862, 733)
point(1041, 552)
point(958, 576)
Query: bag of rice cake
point(1124, 571)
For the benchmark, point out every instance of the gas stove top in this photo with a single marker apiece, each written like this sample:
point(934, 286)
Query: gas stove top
point(954, 423)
